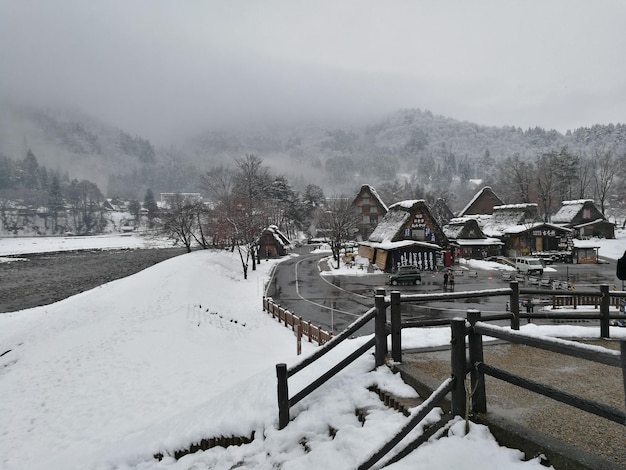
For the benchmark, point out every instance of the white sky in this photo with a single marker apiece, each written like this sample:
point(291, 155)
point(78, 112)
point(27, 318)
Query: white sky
point(158, 67)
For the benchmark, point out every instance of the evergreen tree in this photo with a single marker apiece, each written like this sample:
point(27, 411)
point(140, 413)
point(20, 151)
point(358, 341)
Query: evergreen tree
point(149, 203)
point(55, 201)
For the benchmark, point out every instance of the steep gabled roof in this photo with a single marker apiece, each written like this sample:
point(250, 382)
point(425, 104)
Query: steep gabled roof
point(484, 192)
point(280, 237)
point(509, 216)
point(569, 210)
point(389, 226)
point(370, 189)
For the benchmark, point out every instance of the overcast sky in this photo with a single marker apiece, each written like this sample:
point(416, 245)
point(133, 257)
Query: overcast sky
point(157, 67)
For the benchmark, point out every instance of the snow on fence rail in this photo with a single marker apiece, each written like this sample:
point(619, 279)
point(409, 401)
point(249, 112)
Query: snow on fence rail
point(297, 324)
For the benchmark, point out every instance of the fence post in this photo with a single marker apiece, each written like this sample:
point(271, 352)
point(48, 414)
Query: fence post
point(458, 362)
point(476, 358)
point(283, 395)
point(299, 337)
point(604, 310)
point(514, 305)
point(622, 345)
point(379, 327)
point(396, 327)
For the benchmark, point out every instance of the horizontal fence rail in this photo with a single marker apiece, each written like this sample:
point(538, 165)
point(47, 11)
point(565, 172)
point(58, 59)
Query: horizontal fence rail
point(602, 301)
point(570, 348)
point(379, 342)
point(290, 320)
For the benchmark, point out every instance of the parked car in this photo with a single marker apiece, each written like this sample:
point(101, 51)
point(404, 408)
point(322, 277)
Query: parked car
point(406, 274)
point(528, 265)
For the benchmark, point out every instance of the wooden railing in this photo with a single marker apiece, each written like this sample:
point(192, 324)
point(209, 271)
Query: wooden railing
point(603, 298)
point(460, 366)
point(478, 368)
point(379, 341)
point(298, 325)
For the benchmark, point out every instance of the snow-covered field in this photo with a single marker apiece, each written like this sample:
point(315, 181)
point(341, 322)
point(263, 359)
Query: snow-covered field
point(182, 351)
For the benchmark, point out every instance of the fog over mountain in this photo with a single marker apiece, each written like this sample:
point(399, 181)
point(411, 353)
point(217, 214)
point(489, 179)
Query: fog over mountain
point(167, 70)
point(331, 93)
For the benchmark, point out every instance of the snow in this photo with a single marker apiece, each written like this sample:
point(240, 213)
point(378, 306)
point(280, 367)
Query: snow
point(408, 204)
point(183, 351)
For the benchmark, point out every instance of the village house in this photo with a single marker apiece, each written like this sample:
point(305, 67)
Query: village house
point(520, 229)
point(272, 243)
point(584, 218)
point(468, 240)
point(371, 210)
point(483, 202)
point(407, 235)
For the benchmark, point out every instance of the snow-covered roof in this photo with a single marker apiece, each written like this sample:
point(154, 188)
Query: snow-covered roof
point(507, 217)
point(593, 222)
point(280, 237)
point(525, 227)
point(585, 243)
point(408, 204)
point(376, 196)
point(389, 245)
point(389, 226)
point(569, 210)
point(453, 230)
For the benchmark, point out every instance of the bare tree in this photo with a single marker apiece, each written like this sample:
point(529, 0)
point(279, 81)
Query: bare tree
point(340, 221)
point(545, 182)
point(584, 178)
point(515, 178)
point(181, 222)
point(605, 166)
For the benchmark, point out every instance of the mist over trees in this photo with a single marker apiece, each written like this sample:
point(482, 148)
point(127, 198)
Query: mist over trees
point(408, 154)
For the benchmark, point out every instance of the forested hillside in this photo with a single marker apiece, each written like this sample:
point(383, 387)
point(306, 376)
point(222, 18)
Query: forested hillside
point(410, 153)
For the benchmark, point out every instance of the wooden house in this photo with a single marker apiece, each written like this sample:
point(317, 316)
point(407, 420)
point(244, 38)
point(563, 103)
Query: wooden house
point(272, 243)
point(510, 219)
point(585, 252)
point(585, 218)
point(537, 238)
point(370, 208)
point(483, 202)
point(407, 234)
point(468, 240)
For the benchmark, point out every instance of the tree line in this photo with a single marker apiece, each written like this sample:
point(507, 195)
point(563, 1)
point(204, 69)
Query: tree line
point(560, 175)
point(63, 204)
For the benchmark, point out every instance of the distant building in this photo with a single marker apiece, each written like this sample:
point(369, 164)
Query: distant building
point(407, 234)
point(370, 208)
point(483, 202)
point(585, 218)
point(469, 241)
point(272, 243)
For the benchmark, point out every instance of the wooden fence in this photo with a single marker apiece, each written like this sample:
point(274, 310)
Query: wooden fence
point(298, 325)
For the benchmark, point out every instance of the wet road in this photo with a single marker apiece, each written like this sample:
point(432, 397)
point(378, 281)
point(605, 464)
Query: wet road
point(333, 302)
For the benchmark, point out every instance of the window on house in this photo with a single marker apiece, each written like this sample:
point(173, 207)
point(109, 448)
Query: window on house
point(586, 213)
point(365, 201)
point(373, 209)
point(417, 234)
point(366, 219)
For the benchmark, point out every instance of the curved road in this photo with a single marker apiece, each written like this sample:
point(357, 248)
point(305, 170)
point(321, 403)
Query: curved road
point(334, 302)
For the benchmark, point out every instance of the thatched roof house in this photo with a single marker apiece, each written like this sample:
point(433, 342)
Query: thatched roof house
point(407, 234)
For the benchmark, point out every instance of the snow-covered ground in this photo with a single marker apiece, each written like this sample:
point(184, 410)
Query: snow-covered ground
point(182, 351)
